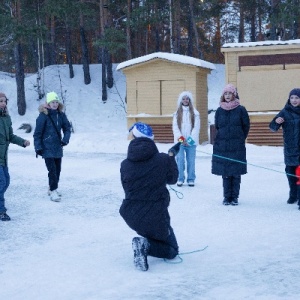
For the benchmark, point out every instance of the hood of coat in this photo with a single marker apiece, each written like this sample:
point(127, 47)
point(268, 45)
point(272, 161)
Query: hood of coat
point(185, 93)
point(43, 108)
point(290, 107)
point(141, 149)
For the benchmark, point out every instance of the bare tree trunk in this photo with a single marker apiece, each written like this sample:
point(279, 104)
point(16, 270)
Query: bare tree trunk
point(191, 6)
point(177, 30)
point(18, 54)
point(85, 57)
point(274, 19)
point(171, 27)
point(242, 24)
point(253, 25)
point(128, 30)
point(260, 34)
point(21, 102)
point(104, 89)
point(68, 51)
point(85, 51)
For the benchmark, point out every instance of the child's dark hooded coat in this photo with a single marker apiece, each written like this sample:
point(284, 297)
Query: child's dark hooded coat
point(45, 135)
point(144, 175)
point(291, 133)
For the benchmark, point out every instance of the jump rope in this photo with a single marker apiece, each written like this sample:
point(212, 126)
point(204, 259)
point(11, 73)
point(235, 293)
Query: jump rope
point(180, 195)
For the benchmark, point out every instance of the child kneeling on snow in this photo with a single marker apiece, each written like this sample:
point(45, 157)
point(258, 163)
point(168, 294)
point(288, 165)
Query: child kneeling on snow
point(144, 175)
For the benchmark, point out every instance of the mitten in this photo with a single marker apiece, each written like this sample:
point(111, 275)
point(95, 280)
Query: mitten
point(39, 152)
point(297, 173)
point(175, 149)
point(63, 143)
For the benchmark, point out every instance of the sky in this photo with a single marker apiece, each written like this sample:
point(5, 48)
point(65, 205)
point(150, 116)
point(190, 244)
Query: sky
point(80, 248)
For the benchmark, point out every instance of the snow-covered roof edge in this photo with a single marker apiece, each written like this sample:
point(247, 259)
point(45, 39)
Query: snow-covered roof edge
point(168, 56)
point(262, 43)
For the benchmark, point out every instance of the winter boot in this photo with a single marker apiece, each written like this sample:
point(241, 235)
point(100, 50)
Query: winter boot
point(4, 217)
point(227, 190)
point(234, 202)
point(140, 247)
point(291, 200)
point(58, 193)
point(293, 187)
point(236, 183)
point(226, 201)
point(54, 196)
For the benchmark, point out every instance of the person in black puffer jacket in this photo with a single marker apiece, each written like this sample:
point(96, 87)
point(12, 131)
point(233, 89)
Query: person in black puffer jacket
point(144, 176)
point(232, 124)
point(289, 119)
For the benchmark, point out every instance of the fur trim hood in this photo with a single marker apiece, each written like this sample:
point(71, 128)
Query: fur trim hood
point(43, 108)
point(185, 93)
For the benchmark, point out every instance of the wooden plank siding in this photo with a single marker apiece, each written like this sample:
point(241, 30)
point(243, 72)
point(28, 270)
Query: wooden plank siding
point(261, 135)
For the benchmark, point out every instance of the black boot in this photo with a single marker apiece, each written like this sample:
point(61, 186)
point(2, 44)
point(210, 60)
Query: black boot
point(4, 217)
point(292, 184)
point(227, 190)
point(236, 183)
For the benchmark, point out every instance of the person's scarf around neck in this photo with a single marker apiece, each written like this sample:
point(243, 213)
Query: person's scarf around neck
point(230, 105)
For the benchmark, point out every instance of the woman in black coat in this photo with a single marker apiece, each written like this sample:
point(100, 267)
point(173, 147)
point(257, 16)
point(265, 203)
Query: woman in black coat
point(229, 150)
point(289, 119)
point(144, 175)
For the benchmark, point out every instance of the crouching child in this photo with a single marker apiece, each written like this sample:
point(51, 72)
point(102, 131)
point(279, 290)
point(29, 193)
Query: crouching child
point(144, 176)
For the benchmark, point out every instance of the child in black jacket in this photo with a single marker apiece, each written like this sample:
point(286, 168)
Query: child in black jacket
point(289, 119)
point(144, 176)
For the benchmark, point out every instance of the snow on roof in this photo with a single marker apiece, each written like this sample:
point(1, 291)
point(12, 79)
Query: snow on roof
point(168, 56)
point(262, 43)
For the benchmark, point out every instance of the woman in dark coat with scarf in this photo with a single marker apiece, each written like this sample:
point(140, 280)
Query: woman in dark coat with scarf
point(144, 175)
point(289, 119)
point(232, 125)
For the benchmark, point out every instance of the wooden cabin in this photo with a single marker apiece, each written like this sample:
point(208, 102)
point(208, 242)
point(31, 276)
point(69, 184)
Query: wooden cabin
point(264, 73)
point(153, 84)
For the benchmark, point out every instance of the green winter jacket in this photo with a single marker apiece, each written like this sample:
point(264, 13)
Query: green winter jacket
point(6, 137)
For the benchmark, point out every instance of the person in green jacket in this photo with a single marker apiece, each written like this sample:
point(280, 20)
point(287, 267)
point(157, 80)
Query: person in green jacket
point(6, 137)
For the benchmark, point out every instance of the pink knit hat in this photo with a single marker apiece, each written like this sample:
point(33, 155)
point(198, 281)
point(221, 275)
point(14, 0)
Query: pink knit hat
point(229, 88)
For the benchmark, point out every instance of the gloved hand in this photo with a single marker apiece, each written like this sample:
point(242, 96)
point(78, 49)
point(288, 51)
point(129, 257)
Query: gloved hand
point(39, 152)
point(63, 143)
point(175, 149)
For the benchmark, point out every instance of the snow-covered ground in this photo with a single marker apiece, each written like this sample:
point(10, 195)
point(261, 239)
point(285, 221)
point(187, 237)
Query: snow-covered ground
point(80, 248)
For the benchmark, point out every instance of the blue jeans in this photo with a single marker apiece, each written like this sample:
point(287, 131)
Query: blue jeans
point(187, 153)
point(4, 183)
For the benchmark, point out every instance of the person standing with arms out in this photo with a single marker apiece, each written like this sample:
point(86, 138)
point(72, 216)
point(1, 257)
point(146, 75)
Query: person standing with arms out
point(48, 141)
point(144, 176)
point(289, 119)
point(6, 137)
point(232, 125)
point(186, 128)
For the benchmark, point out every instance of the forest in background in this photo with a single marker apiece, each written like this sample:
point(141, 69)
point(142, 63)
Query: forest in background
point(38, 33)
